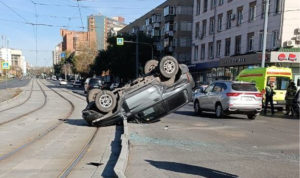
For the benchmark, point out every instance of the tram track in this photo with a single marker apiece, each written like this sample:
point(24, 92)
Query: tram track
point(12, 107)
point(31, 111)
point(40, 136)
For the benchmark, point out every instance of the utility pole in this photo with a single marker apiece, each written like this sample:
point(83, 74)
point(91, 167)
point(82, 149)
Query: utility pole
point(137, 53)
point(265, 33)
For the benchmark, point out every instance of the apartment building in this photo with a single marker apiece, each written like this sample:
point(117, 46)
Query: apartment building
point(104, 27)
point(228, 36)
point(15, 60)
point(56, 54)
point(170, 25)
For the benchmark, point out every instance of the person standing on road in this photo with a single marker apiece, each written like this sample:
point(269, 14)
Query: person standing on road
point(269, 98)
point(289, 97)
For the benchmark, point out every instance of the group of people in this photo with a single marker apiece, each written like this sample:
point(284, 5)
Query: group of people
point(289, 97)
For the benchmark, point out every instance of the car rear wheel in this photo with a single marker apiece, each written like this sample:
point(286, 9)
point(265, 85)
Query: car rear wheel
point(92, 94)
point(219, 111)
point(168, 66)
point(106, 101)
point(197, 108)
point(251, 116)
point(150, 66)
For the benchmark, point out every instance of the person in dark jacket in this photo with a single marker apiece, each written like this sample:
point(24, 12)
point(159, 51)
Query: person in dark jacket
point(289, 97)
point(269, 97)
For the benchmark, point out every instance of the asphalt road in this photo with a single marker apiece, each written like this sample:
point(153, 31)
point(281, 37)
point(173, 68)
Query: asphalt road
point(14, 83)
point(185, 145)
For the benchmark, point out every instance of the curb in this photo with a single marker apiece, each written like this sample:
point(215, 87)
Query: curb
point(121, 164)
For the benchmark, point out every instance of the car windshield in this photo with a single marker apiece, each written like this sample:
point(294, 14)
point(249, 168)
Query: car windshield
point(94, 81)
point(280, 83)
point(243, 87)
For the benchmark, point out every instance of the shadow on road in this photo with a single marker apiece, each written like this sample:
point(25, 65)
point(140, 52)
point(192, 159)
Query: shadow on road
point(208, 115)
point(76, 122)
point(115, 152)
point(190, 169)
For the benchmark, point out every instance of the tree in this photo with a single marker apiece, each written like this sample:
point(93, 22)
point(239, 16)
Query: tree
point(83, 59)
point(120, 60)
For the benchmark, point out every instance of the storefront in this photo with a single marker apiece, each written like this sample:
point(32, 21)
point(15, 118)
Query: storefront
point(288, 59)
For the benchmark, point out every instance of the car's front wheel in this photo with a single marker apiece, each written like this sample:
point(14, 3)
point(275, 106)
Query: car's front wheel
point(168, 66)
point(197, 108)
point(219, 111)
point(106, 101)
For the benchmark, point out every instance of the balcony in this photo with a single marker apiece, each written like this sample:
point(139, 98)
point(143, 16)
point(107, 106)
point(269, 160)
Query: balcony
point(169, 18)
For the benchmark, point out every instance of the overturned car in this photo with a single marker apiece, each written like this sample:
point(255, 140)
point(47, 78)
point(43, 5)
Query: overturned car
point(165, 87)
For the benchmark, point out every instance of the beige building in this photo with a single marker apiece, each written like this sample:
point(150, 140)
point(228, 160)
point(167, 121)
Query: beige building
point(228, 36)
point(103, 27)
point(170, 25)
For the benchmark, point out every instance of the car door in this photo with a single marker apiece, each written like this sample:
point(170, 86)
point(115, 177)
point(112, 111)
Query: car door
point(203, 99)
point(215, 96)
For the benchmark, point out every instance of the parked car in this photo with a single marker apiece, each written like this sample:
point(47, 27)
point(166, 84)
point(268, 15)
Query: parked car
point(229, 97)
point(63, 82)
point(77, 83)
point(165, 87)
point(94, 83)
point(86, 82)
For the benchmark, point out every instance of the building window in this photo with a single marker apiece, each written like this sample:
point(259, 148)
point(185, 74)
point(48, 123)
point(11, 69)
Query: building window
point(228, 22)
point(252, 11)
point(220, 17)
point(211, 50)
point(239, 16)
point(197, 30)
point(218, 51)
point(238, 41)
point(227, 46)
point(198, 7)
point(277, 6)
point(213, 4)
point(250, 41)
point(202, 57)
point(274, 39)
point(211, 25)
point(205, 3)
point(185, 26)
point(203, 28)
point(261, 40)
point(221, 2)
point(169, 10)
point(196, 50)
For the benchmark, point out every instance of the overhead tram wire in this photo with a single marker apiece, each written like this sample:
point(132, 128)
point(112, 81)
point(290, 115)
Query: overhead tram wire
point(80, 14)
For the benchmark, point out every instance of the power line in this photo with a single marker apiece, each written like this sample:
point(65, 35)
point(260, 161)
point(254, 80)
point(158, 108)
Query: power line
point(80, 14)
point(15, 12)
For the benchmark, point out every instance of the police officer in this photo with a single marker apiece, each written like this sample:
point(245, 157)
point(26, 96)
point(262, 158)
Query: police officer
point(269, 98)
point(289, 97)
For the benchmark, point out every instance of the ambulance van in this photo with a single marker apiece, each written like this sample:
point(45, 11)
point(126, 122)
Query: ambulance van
point(279, 76)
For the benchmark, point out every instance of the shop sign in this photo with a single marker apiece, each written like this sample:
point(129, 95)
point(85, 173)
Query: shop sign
point(249, 59)
point(287, 57)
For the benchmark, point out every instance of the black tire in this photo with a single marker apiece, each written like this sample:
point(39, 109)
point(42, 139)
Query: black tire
point(168, 66)
point(219, 111)
point(92, 95)
point(197, 108)
point(106, 101)
point(150, 66)
point(251, 116)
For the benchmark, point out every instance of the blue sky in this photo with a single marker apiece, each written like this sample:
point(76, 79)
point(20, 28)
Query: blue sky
point(16, 17)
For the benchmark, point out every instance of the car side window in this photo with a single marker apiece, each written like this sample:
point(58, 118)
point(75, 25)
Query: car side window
point(219, 87)
point(209, 88)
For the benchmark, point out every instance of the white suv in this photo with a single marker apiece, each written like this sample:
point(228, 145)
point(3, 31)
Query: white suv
point(229, 97)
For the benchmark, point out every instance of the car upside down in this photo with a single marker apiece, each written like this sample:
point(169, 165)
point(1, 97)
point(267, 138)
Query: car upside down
point(165, 87)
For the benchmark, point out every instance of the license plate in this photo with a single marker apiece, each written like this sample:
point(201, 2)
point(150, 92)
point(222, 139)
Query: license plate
point(274, 102)
point(247, 98)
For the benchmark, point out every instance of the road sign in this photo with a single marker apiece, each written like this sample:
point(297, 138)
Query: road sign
point(5, 65)
point(63, 55)
point(120, 41)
